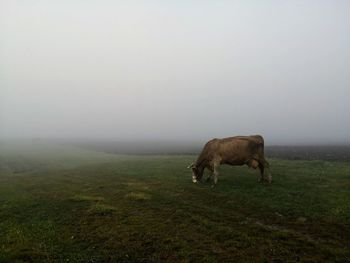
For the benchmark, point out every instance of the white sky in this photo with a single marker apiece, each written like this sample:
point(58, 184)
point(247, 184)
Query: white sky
point(175, 69)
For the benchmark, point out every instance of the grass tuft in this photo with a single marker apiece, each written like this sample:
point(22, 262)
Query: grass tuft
point(102, 209)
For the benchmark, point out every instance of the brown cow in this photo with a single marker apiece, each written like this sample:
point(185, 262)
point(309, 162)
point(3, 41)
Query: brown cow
point(237, 150)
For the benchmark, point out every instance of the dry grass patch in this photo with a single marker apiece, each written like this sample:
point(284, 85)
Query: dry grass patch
point(138, 196)
point(87, 198)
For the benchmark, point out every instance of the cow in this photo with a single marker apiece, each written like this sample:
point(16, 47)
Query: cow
point(238, 150)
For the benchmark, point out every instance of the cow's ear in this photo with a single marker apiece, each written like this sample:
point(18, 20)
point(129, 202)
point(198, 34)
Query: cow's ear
point(190, 166)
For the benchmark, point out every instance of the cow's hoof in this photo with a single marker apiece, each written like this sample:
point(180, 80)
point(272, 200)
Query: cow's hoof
point(269, 179)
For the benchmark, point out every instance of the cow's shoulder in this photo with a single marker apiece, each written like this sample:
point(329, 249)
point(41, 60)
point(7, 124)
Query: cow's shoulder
point(212, 143)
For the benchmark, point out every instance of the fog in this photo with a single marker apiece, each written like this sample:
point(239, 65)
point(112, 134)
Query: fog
point(175, 70)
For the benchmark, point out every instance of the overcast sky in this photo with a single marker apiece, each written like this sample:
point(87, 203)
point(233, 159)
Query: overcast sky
point(175, 69)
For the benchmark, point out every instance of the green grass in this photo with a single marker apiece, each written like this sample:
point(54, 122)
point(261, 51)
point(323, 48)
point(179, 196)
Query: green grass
point(63, 204)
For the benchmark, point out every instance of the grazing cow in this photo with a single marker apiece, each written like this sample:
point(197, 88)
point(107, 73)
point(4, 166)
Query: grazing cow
point(237, 150)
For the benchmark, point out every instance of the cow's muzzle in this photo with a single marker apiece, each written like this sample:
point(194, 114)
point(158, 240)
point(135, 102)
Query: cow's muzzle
point(194, 179)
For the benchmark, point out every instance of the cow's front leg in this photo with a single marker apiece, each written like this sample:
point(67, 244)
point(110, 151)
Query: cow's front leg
point(210, 177)
point(215, 174)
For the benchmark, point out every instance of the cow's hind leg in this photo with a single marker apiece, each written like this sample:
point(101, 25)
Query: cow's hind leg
point(264, 168)
point(267, 172)
point(261, 177)
point(255, 163)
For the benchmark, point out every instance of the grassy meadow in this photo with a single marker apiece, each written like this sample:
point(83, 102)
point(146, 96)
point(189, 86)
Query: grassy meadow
point(64, 204)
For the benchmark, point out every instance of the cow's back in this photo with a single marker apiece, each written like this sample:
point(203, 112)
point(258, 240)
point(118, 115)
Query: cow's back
point(236, 150)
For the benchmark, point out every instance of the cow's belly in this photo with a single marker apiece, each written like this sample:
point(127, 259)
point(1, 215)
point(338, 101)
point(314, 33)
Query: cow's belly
point(234, 161)
point(234, 155)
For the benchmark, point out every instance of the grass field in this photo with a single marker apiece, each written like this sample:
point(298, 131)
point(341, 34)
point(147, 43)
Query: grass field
point(64, 204)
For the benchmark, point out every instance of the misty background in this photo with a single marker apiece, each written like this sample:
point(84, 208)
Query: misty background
point(182, 71)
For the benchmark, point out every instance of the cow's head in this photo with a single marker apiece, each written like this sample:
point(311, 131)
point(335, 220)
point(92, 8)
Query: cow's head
point(196, 173)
